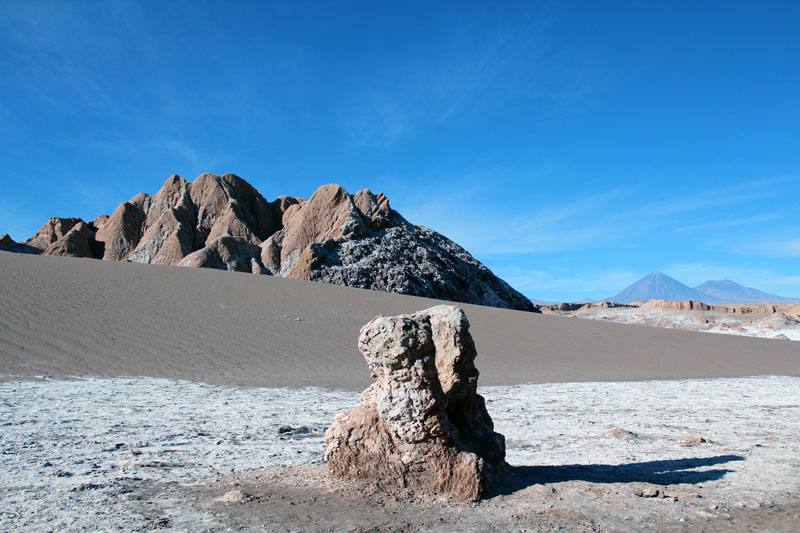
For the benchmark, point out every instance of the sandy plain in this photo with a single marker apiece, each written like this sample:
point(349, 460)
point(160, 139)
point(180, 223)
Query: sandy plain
point(136, 397)
point(74, 317)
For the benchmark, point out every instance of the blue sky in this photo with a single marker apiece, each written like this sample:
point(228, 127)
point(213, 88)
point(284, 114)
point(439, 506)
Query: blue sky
point(572, 147)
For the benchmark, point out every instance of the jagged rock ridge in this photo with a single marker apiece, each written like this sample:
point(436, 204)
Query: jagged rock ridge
point(223, 222)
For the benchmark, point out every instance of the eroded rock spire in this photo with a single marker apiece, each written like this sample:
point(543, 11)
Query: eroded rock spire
point(422, 423)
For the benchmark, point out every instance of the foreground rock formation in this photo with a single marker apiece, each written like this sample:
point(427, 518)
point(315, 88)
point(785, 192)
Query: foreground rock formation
point(422, 423)
point(223, 222)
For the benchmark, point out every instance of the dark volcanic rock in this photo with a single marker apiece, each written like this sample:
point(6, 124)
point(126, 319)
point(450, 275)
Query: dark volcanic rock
point(410, 259)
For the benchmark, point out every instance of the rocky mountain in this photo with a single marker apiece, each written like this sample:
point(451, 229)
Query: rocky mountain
point(659, 286)
point(223, 222)
point(728, 291)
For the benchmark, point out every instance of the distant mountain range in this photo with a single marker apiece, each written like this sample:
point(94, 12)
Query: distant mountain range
point(659, 286)
point(731, 292)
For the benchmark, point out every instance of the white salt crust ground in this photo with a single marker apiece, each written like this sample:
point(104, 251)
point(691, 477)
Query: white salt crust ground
point(765, 327)
point(118, 453)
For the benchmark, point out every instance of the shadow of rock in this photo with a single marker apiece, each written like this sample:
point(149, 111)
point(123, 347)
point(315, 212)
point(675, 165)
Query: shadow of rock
point(664, 472)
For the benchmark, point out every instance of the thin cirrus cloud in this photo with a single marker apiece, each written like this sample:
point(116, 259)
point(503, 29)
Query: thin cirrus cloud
point(466, 75)
point(765, 279)
point(772, 247)
point(702, 199)
point(470, 218)
point(556, 282)
point(608, 233)
point(729, 222)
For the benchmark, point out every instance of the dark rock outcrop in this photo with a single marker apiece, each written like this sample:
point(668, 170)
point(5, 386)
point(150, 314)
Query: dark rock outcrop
point(54, 230)
point(422, 423)
point(7, 244)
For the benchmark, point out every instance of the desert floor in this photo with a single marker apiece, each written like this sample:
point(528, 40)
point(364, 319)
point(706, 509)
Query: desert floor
point(140, 397)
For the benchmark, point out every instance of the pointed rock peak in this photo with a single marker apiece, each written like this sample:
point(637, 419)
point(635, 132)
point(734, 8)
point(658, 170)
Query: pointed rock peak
point(141, 200)
point(235, 180)
point(228, 181)
point(99, 221)
point(53, 230)
point(173, 186)
point(374, 208)
point(285, 201)
point(365, 195)
point(174, 181)
point(331, 193)
point(7, 244)
point(206, 179)
point(75, 243)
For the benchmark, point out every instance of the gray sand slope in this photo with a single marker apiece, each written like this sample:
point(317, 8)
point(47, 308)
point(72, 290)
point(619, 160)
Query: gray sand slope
point(65, 316)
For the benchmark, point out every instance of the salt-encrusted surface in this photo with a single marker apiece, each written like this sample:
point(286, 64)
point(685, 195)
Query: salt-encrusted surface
point(115, 453)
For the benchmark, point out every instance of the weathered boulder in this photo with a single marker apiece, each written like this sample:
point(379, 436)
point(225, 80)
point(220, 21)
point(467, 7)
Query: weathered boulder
point(422, 423)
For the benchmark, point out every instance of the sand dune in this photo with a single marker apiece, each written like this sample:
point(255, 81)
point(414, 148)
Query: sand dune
point(66, 316)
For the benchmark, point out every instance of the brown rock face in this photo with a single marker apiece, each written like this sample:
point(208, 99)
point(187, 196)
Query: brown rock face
point(75, 243)
point(227, 253)
point(184, 218)
point(688, 305)
point(330, 214)
point(422, 423)
point(121, 232)
point(54, 229)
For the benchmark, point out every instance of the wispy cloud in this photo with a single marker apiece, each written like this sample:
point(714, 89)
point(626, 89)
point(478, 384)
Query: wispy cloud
point(728, 223)
point(765, 279)
point(559, 284)
point(485, 227)
point(700, 199)
point(772, 247)
point(471, 70)
point(589, 221)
